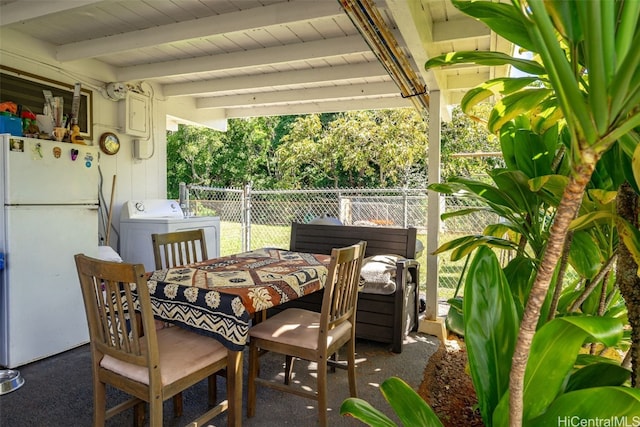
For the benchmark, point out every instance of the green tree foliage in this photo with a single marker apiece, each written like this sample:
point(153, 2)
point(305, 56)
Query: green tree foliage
point(355, 149)
point(191, 157)
point(383, 148)
point(245, 153)
point(304, 156)
point(463, 135)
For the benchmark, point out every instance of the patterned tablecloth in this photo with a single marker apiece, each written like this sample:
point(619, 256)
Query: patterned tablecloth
point(217, 296)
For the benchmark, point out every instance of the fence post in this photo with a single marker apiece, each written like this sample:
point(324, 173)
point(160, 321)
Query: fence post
point(246, 218)
point(405, 208)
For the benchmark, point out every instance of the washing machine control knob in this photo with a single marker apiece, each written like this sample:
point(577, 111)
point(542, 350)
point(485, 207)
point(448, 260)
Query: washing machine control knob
point(140, 207)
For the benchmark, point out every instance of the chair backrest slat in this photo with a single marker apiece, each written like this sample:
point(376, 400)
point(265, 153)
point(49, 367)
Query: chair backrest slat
point(179, 248)
point(341, 288)
point(118, 308)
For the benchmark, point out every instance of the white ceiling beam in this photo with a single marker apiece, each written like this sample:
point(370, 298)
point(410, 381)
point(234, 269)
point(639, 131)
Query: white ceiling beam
point(22, 11)
point(300, 95)
point(254, 58)
point(462, 28)
point(416, 28)
point(320, 107)
point(260, 17)
point(272, 80)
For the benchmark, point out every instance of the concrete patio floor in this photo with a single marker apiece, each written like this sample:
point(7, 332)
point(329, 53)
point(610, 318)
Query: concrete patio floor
point(58, 390)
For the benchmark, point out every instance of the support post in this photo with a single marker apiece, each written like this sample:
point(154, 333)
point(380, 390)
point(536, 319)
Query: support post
point(431, 324)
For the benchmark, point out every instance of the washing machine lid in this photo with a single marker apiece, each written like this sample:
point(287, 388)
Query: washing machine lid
point(150, 209)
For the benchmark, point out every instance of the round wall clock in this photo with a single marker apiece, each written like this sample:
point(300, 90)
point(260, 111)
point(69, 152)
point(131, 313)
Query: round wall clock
point(109, 143)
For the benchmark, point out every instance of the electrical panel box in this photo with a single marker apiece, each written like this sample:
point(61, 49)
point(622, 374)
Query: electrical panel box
point(134, 114)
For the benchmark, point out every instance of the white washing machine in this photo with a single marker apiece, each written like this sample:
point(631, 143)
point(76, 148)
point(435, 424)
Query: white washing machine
point(139, 219)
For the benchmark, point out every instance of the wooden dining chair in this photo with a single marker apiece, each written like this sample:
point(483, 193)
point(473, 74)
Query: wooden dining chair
point(173, 250)
point(310, 335)
point(128, 353)
point(179, 248)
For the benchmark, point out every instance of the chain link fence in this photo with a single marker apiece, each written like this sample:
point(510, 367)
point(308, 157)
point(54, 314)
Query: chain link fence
point(252, 218)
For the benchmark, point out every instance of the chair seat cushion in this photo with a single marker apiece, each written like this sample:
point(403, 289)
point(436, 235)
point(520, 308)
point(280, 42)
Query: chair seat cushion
point(181, 353)
point(295, 326)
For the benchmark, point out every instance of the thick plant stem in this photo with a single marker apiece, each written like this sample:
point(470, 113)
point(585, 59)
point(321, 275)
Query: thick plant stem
point(571, 200)
point(602, 305)
point(627, 278)
point(601, 277)
point(564, 262)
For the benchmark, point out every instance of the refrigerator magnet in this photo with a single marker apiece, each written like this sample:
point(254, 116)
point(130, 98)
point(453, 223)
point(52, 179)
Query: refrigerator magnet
point(57, 152)
point(37, 151)
point(16, 144)
point(74, 154)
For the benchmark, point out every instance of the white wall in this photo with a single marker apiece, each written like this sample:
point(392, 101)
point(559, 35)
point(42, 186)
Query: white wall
point(135, 179)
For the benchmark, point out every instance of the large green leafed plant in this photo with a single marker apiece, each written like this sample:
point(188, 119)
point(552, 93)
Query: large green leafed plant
point(555, 367)
point(491, 329)
point(407, 404)
point(586, 70)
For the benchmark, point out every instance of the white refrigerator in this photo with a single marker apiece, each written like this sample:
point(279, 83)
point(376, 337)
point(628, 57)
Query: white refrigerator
point(49, 194)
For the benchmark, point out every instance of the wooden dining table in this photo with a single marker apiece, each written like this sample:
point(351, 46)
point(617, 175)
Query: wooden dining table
point(218, 297)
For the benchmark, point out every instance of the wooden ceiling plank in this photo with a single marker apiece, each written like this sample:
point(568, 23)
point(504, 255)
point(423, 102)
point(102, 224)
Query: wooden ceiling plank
point(468, 81)
point(18, 11)
point(459, 29)
point(277, 14)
